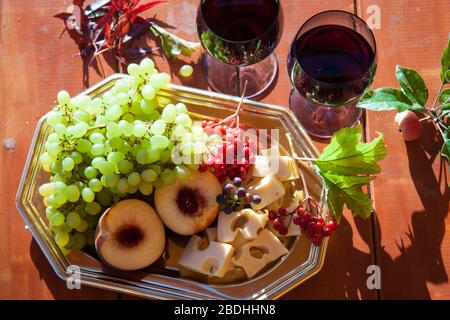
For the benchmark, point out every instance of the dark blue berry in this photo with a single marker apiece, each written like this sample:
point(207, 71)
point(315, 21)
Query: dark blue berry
point(228, 188)
point(240, 192)
point(228, 209)
point(256, 199)
point(237, 181)
point(221, 198)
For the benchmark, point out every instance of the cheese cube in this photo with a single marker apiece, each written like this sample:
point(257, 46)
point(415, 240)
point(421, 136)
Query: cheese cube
point(256, 254)
point(283, 167)
point(246, 222)
point(214, 260)
point(211, 234)
point(269, 189)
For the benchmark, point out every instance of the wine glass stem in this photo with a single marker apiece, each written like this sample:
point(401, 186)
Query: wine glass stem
point(238, 79)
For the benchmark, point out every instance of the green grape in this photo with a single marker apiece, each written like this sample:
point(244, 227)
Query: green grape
point(186, 71)
point(46, 159)
point(140, 129)
point(187, 148)
point(148, 92)
point(179, 131)
point(148, 106)
point(63, 97)
point(126, 128)
point(147, 66)
point(133, 190)
point(134, 69)
point(54, 117)
point(184, 120)
point(146, 188)
point(104, 198)
point(90, 172)
point(73, 193)
point(73, 219)
point(158, 127)
point(197, 132)
point(116, 143)
point(168, 177)
point(95, 185)
point(123, 185)
point(181, 108)
point(100, 120)
point(169, 113)
point(115, 157)
point(53, 149)
point(153, 155)
point(58, 178)
point(81, 102)
point(55, 167)
point(98, 149)
point(154, 115)
point(60, 129)
point(182, 172)
point(125, 166)
point(66, 174)
point(76, 157)
point(52, 202)
point(49, 212)
point(165, 156)
point(79, 129)
point(141, 157)
point(82, 226)
point(112, 130)
point(158, 182)
point(88, 195)
point(159, 80)
point(93, 208)
point(156, 168)
point(134, 179)
point(199, 147)
point(96, 137)
point(81, 115)
point(61, 238)
point(122, 98)
point(149, 175)
point(111, 180)
point(113, 113)
point(61, 198)
point(53, 137)
point(127, 116)
point(97, 162)
point(57, 219)
point(83, 145)
point(68, 164)
point(78, 241)
point(159, 141)
point(136, 107)
point(47, 189)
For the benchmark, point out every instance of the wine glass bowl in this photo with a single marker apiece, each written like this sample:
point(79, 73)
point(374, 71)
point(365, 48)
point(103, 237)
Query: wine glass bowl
point(331, 63)
point(239, 38)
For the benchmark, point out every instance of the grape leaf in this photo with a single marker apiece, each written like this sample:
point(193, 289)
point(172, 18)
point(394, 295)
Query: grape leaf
point(173, 45)
point(444, 97)
point(445, 151)
point(383, 99)
point(445, 62)
point(412, 84)
point(347, 164)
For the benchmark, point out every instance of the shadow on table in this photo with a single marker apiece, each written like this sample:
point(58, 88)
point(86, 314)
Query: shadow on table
point(58, 287)
point(420, 262)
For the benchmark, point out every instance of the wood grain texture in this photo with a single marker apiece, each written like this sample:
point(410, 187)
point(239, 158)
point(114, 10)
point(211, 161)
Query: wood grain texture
point(411, 201)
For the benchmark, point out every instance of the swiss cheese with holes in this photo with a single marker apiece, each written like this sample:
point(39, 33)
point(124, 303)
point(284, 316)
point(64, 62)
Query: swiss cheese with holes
point(270, 189)
point(283, 167)
point(256, 254)
point(245, 222)
point(212, 259)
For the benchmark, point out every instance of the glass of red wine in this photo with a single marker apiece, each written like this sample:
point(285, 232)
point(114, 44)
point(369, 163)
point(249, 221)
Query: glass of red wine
point(331, 63)
point(239, 37)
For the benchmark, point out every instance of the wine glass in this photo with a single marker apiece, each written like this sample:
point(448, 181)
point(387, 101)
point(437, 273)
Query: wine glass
point(331, 63)
point(239, 37)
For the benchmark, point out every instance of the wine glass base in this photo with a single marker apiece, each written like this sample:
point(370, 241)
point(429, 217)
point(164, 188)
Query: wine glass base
point(321, 121)
point(231, 79)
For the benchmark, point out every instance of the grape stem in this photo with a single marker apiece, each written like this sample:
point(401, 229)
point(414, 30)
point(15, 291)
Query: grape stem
point(100, 126)
point(235, 116)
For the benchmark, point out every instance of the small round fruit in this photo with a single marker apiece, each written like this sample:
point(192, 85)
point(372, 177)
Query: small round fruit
point(186, 71)
point(130, 235)
point(409, 125)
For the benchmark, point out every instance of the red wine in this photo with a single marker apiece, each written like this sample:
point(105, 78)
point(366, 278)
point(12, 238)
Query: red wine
point(239, 32)
point(331, 64)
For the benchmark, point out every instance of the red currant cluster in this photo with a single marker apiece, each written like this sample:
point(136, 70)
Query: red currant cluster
point(228, 162)
point(313, 226)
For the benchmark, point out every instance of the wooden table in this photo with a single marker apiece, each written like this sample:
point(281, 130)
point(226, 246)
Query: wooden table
point(406, 236)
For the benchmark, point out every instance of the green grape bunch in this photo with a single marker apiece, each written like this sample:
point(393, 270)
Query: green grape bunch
point(104, 149)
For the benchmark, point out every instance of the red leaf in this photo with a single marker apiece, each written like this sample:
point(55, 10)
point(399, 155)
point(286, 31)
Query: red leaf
point(143, 7)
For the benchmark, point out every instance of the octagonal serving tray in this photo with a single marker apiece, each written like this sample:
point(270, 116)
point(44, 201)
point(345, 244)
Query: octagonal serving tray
point(163, 280)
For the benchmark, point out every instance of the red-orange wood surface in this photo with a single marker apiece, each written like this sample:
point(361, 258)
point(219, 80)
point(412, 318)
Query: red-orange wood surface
point(35, 64)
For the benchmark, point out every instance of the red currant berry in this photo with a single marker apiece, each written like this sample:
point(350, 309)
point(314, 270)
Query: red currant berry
point(203, 167)
point(283, 231)
point(301, 211)
point(332, 225)
point(278, 224)
point(282, 211)
point(242, 173)
point(326, 232)
point(296, 219)
point(272, 215)
point(204, 124)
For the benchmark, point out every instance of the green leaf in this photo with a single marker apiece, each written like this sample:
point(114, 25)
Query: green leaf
point(412, 85)
point(445, 62)
point(347, 190)
point(444, 97)
point(346, 156)
point(445, 151)
point(387, 99)
point(172, 45)
point(346, 165)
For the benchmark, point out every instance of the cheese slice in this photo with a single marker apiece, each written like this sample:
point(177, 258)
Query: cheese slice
point(211, 234)
point(214, 260)
point(283, 167)
point(245, 222)
point(270, 189)
point(256, 254)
